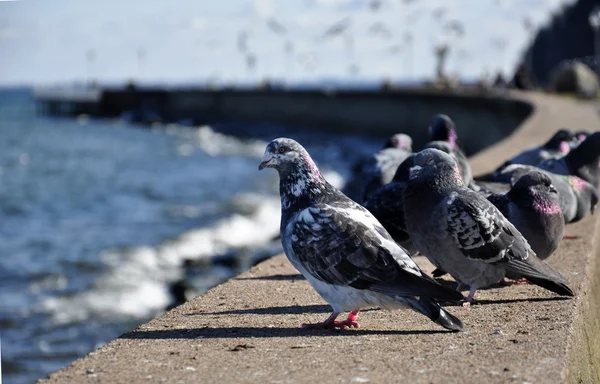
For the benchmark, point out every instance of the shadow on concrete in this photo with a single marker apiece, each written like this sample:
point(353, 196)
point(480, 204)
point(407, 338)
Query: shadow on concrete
point(510, 301)
point(274, 277)
point(291, 309)
point(286, 310)
point(263, 332)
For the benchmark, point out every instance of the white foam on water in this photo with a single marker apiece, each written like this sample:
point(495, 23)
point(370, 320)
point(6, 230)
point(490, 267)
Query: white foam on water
point(136, 280)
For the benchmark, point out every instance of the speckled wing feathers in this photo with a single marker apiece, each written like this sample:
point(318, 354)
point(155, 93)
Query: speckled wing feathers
point(481, 232)
point(340, 251)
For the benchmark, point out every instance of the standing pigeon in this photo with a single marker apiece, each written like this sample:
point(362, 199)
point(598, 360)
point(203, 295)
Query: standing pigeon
point(342, 250)
point(582, 161)
point(444, 129)
point(577, 197)
point(532, 205)
point(386, 205)
point(371, 173)
point(463, 164)
point(462, 233)
point(557, 146)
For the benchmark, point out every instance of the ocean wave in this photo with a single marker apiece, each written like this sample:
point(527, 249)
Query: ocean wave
point(135, 281)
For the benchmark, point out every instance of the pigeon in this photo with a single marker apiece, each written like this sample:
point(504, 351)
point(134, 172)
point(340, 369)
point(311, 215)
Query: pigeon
point(342, 250)
point(532, 205)
point(444, 129)
point(371, 173)
point(577, 197)
point(386, 205)
point(582, 161)
point(579, 137)
point(463, 163)
point(461, 232)
point(557, 146)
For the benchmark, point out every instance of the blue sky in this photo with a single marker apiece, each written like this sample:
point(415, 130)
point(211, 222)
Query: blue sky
point(47, 41)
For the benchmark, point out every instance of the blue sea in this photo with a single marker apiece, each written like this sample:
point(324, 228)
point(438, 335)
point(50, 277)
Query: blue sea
point(100, 219)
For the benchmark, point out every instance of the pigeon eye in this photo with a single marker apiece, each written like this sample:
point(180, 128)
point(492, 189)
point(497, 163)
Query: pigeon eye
point(430, 161)
point(281, 150)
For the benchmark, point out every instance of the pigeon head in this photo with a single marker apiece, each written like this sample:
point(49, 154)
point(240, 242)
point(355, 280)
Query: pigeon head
point(400, 141)
point(299, 177)
point(560, 141)
point(443, 128)
point(436, 167)
point(403, 171)
point(286, 155)
point(535, 189)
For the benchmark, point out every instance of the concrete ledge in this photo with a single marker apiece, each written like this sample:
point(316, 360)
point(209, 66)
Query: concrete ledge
point(247, 330)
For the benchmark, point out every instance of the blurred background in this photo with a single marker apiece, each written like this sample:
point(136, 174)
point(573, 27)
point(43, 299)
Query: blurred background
point(114, 207)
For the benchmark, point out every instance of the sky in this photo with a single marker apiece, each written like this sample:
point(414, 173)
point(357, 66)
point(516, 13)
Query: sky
point(44, 42)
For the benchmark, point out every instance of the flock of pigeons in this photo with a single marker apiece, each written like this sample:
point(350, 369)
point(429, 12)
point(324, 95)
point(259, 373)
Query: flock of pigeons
point(478, 230)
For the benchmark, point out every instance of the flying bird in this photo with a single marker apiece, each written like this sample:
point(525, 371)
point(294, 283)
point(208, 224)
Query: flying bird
point(342, 250)
point(462, 233)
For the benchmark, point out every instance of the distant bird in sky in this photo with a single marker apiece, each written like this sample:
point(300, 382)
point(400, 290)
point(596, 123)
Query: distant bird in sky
point(338, 28)
point(342, 250)
point(462, 233)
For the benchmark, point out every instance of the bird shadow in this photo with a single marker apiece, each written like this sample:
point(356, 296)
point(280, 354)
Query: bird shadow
point(285, 310)
point(274, 277)
point(263, 332)
point(509, 301)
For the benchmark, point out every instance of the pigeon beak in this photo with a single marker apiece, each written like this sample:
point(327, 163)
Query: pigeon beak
point(414, 171)
point(265, 163)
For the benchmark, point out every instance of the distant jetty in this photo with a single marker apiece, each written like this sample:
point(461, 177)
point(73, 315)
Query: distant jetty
point(376, 111)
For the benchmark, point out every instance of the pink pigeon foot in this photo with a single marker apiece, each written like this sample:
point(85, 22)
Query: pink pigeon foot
point(470, 299)
point(331, 323)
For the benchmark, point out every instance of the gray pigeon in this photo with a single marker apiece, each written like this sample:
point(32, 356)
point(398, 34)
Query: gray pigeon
point(443, 128)
point(378, 170)
point(386, 205)
point(532, 205)
point(462, 233)
point(557, 146)
point(577, 197)
point(582, 161)
point(458, 155)
point(342, 250)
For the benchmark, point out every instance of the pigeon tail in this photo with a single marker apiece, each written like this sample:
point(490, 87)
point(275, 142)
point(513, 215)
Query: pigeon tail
point(435, 312)
point(539, 273)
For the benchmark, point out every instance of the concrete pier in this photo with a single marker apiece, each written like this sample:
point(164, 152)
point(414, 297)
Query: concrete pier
point(247, 329)
point(376, 112)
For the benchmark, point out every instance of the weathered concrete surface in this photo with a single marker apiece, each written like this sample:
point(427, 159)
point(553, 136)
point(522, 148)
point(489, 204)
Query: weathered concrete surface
point(247, 330)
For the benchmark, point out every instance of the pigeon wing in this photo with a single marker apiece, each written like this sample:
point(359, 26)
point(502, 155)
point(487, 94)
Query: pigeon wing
point(347, 246)
point(481, 232)
point(386, 206)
